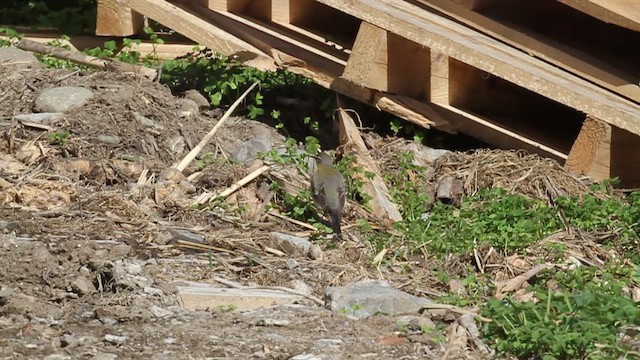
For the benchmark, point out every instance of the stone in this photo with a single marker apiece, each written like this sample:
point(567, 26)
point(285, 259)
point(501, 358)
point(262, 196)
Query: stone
point(247, 151)
point(369, 298)
point(145, 121)
point(104, 356)
point(68, 340)
point(292, 263)
point(109, 139)
point(57, 357)
point(45, 118)
point(197, 98)
point(160, 312)
point(188, 107)
point(291, 245)
point(185, 235)
point(18, 58)
point(115, 339)
point(153, 291)
point(83, 286)
point(323, 343)
point(62, 99)
point(301, 287)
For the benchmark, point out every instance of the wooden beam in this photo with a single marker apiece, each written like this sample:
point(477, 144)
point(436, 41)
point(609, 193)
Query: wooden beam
point(281, 11)
point(461, 43)
point(367, 64)
point(625, 13)
point(193, 27)
point(561, 55)
point(603, 151)
point(439, 84)
point(114, 19)
point(591, 152)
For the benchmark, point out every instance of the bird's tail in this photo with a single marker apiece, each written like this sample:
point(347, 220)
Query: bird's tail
point(335, 223)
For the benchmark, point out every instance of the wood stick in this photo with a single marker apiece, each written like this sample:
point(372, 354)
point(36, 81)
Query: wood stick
point(233, 188)
point(293, 221)
point(196, 150)
point(80, 58)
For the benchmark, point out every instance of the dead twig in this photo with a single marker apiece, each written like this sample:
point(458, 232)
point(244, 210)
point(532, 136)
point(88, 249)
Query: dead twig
point(196, 150)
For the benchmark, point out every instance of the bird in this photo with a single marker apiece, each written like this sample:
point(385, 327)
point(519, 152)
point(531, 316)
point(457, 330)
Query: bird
point(328, 189)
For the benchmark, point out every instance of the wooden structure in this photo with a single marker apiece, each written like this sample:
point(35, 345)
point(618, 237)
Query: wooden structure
point(555, 77)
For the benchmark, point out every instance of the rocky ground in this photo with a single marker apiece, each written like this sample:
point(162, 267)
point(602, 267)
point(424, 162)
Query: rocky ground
point(98, 238)
point(104, 256)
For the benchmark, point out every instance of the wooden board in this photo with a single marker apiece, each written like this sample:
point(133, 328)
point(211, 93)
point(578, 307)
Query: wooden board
point(192, 27)
point(482, 52)
point(549, 50)
point(625, 13)
point(114, 19)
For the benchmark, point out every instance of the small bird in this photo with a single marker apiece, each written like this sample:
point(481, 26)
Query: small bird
point(328, 188)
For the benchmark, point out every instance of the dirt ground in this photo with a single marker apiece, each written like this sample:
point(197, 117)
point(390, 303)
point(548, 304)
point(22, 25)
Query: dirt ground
point(88, 270)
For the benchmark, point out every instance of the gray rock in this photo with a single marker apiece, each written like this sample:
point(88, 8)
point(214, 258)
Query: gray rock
point(115, 339)
point(68, 340)
point(57, 357)
point(8, 226)
point(277, 338)
point(307, 357)
point(104, 356)
point(83, 286)
point(46, 118)
point(145, 121)
point(290, 244)
point(292, 263)
point(301, 287)
point(109, 139)
point(198, 98)
point(186, 236)
point(153, 291)
point(188, 107)
point(160, 312)
point(247, 151)
point(273, 322)
point(323, 343)
point(176, 145)
point(18, 58)
point(62, 99)
point(368, 298)
point(169, 340)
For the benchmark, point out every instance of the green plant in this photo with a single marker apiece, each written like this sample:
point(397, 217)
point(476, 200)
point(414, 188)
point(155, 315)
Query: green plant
point(59, 138)
point(581, 319)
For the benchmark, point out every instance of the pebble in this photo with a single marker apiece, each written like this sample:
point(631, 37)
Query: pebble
point(160, 312)
point(153, 291)
point(104, 356)
point(115, 339)
point(83, 286)
point(18, 58)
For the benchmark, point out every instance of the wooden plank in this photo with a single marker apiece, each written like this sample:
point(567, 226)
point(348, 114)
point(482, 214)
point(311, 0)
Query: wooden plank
point(114, 19)
point(281, 11)
point(268, 40)
point(367, 64)
point(625, 13)
point(193, 27)
point(482, 52)
point(381, 203)
point(577, 62)
point(389, 63)
point(439, 84)
point(591, 152)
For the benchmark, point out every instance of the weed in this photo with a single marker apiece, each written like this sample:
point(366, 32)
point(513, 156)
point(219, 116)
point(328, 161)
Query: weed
point(581, 319)
point(59, 138)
